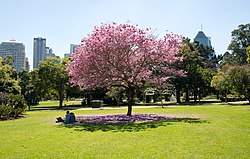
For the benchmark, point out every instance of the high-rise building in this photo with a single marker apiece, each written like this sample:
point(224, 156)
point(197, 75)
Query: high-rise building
point(71, 51)
point(39, 51)
point(27, 64)
point(73, 48)
point(16, 50)
point(49, 53)
point(66, 55)
point(203, 39)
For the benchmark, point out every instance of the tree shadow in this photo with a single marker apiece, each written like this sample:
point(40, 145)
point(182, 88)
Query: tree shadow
point(68, 107)
point(128, 126)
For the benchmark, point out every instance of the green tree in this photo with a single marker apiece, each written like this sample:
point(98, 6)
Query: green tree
point(8, 60)
point(24, 82)
point(248, 54)
point(53, 76)
point(199, 63)
point(192, 62)
point(73, 92)
point(8, 78)
point(236, 79)
point(208, 56)
point(116, 93)
point(240, 41)
point(239, 77)
point(12, 102)
point(222, 84)
point(35, 87)
point(228, 59)
point(206, 76)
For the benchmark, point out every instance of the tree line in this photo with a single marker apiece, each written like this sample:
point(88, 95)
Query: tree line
point(122, 59)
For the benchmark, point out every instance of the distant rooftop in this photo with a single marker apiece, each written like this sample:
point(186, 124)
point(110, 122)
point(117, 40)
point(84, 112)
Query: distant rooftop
point(200, 35)
point(11, 41)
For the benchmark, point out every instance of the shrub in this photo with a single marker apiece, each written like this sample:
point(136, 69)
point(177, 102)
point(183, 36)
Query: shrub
point(18, 103)
point(5, 112)
point(11, 105)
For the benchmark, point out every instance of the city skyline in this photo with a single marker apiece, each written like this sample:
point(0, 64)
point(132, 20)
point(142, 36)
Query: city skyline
point(66, 22)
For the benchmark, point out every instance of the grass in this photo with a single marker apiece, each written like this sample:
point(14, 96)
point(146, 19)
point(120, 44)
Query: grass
point(54, 105)
point(223, 131)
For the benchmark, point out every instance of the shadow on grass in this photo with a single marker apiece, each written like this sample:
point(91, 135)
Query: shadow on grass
point(130, 127)
point(190, 103)
point(68, 107)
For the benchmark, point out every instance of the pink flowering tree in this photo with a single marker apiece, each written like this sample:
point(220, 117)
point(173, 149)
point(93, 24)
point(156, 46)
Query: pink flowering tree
point(123, 55)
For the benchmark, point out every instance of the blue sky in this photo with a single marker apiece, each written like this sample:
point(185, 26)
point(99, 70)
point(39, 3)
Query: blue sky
point(63, 22)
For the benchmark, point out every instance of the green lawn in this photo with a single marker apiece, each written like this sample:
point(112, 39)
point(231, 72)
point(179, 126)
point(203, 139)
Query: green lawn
point(222, 131)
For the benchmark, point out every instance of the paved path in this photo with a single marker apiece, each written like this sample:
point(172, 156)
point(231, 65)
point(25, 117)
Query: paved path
point(122, 107)
point(159, 106)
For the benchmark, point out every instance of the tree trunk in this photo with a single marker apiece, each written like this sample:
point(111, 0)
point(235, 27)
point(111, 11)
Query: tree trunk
point(130, 101)
point(217, 95)
point(60, 92)
point(187, 94)
point(195, 96)
point(161, 101)
point(177, 94)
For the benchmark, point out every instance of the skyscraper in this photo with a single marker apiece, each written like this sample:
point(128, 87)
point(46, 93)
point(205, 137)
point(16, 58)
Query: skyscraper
point(16, 50)
point(49, 53)
point(39, 51)
point(27, 64)
point(73, 48)
point(203, 39)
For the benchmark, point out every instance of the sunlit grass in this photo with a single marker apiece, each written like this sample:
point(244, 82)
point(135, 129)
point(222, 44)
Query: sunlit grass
point(224, 134)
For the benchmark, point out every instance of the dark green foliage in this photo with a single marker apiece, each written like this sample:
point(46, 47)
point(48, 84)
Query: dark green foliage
point(18, 103)
point(53, 76)
point(236, 80)
point(11, 105)
point(5, 112)
point(248, 54)
point(240, 41)
point(239, 77)
point(199, 65)
point(8, 78)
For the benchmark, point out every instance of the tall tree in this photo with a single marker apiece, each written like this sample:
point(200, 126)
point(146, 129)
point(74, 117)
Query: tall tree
point(192, 61)
point(236, 79)
point(222, 84)
point(199, 63)
point(239, 77)
point(240, 41)
point(8, 78)
point(248, 54)
point(208, 56)
point(24, 82)
point(35, 87)
point(122, 55)
point(53, 75)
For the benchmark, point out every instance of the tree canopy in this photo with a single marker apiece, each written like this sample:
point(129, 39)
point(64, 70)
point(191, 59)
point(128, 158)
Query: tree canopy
point(235, 79)
point(8, 77)
point(248, 54)
point(240, 41)
point(123, 55)
point(53, 75)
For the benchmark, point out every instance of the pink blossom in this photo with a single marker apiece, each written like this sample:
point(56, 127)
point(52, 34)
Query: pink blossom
point(123, 54)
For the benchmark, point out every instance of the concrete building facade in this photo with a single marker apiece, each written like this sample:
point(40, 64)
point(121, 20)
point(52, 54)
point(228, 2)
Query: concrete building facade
point(17, 51)
point(41, 51)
